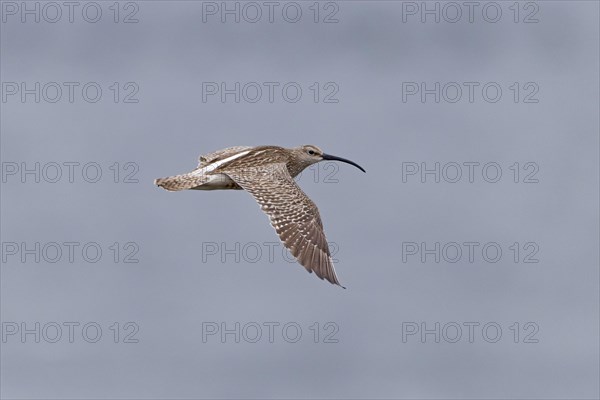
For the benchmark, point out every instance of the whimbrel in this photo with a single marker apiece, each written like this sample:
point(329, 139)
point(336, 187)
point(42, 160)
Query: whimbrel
point(267, 173)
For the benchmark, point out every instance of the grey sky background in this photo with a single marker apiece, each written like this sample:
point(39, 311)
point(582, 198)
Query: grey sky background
point(176, 286)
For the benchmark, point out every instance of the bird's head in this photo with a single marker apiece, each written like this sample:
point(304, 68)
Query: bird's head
point(308, 154)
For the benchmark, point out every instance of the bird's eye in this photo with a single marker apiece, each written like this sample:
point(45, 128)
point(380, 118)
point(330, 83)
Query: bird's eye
point(312, 153)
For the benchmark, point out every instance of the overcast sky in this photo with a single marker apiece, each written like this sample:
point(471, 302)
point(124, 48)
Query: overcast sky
point(469, 248)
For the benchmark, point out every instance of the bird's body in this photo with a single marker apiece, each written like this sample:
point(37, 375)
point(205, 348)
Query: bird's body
point(267, 173)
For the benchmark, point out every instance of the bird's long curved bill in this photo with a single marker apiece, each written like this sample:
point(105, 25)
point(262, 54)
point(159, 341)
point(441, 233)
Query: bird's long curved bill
point(335, 158)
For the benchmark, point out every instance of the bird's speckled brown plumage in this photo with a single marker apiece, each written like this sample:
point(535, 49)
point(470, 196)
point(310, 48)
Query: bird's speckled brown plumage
point(267, 173)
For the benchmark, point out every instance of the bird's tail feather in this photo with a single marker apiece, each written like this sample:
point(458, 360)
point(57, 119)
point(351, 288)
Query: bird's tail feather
point(181, 182)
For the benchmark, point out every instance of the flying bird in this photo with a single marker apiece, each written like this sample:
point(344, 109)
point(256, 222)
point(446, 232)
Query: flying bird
point(267, 173)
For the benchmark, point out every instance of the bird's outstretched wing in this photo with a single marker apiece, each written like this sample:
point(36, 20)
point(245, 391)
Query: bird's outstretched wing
point(209, 158)
point(293, 215)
